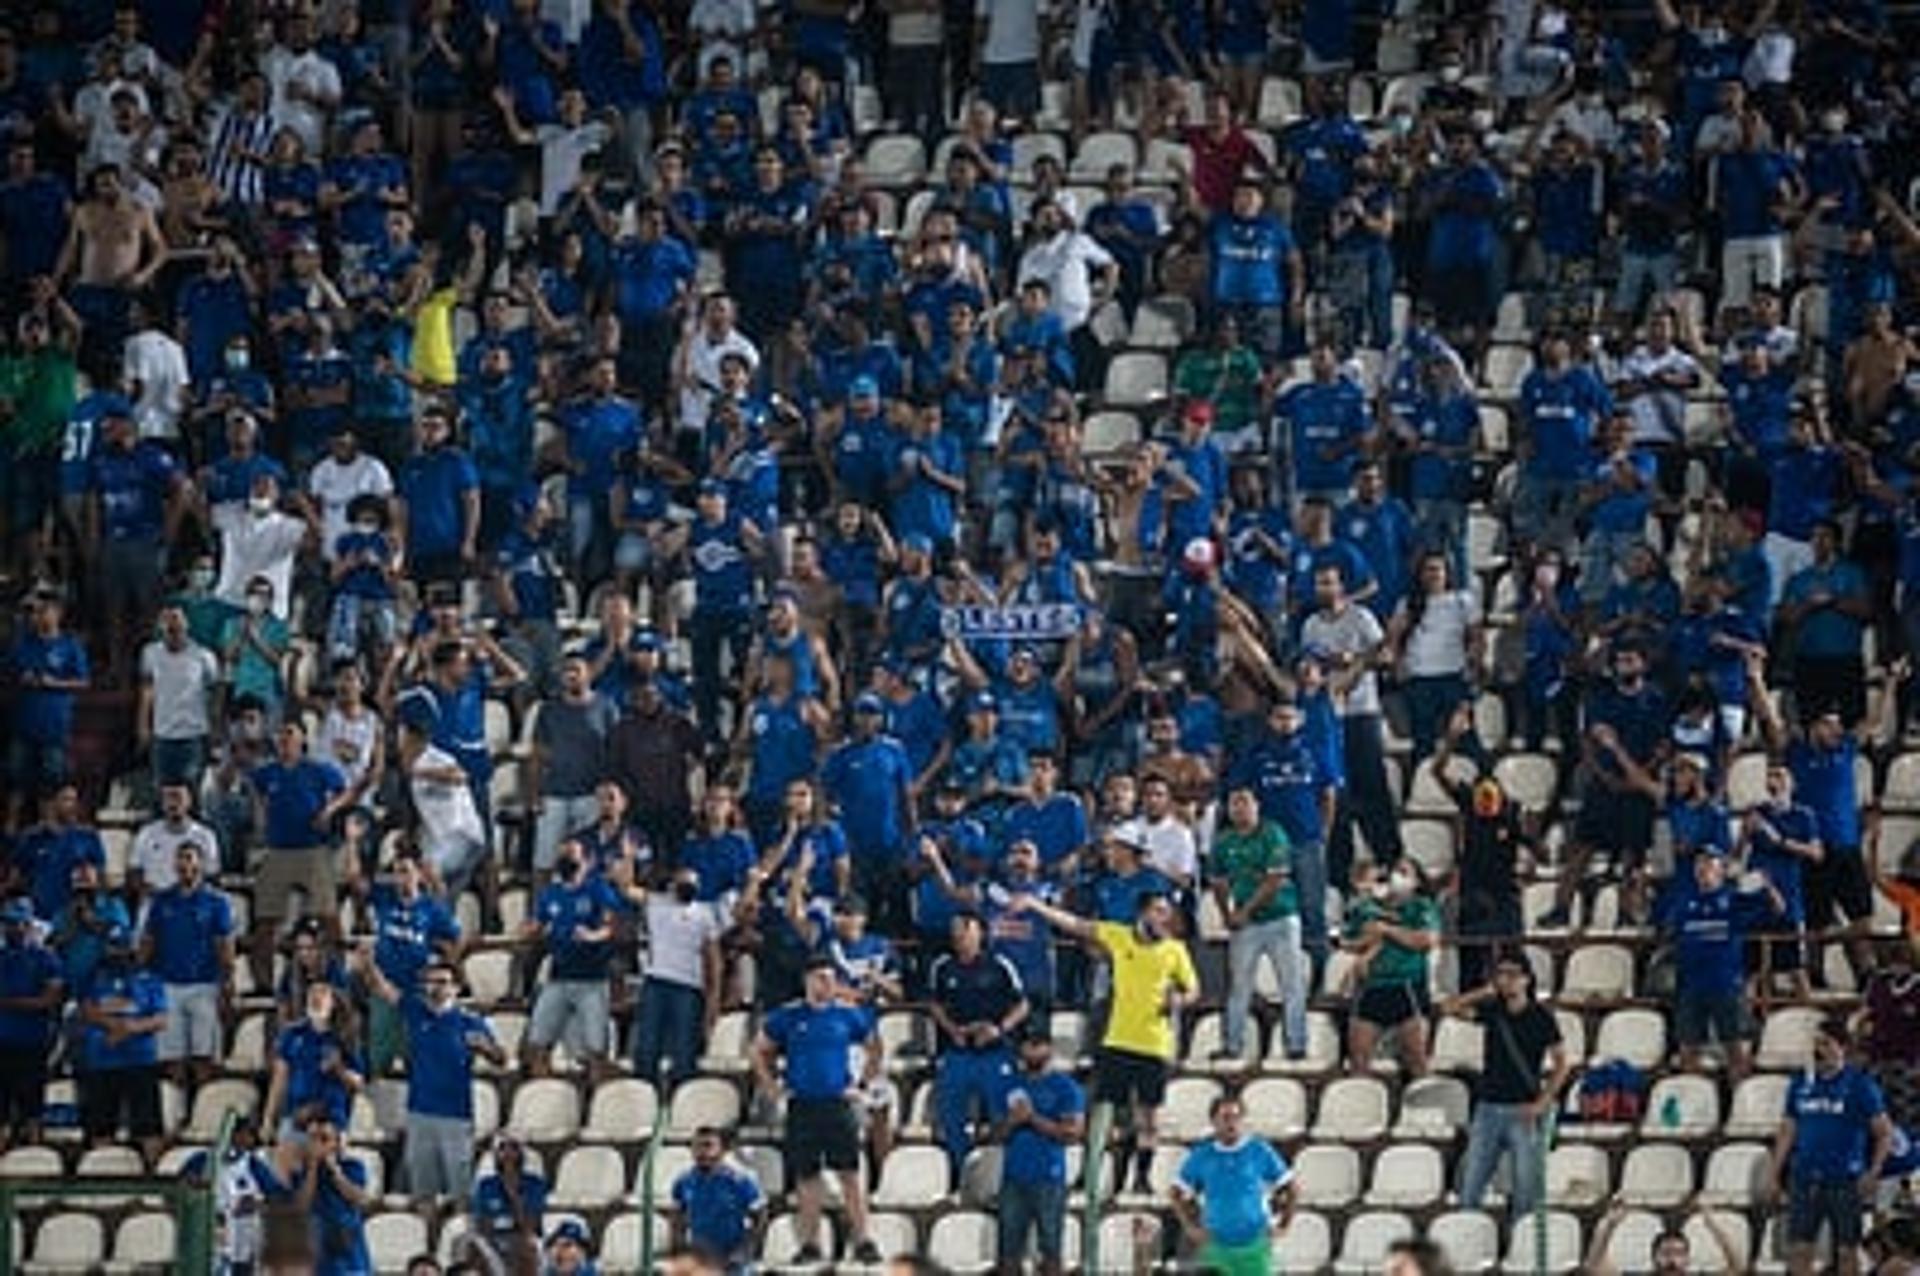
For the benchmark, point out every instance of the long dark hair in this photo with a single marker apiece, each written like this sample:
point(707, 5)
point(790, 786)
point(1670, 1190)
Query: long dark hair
point(1417, 597)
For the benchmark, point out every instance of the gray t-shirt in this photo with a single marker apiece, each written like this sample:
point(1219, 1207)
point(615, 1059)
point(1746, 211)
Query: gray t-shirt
point(572, 739)
point(183, 681)
point(1354, 631)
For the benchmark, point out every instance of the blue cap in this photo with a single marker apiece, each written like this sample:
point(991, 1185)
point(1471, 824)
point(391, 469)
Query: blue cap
point(646, 640)
point(863, 387)
point(16, 912)
point(1716, 851)
point(982, 702)
point(525, 497)
point(713, 486)
point(867, 702)
point(918, 542)
point(115, 405)
point(571, 1229)
point(897, 665)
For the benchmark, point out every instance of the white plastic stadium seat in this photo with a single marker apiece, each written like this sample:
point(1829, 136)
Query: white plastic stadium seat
point(144, 1241)
point(214, 1101)
point(1786, 1038)
point(702, 1101)
point(1100, 151)
point(621, 1110)
point(1470, 1238)
point(1137, 378)
point(1407, 1176)
point(1693, 1102)
point(1737, 1175)
point(1598, 972)
point(896, 159)
point(1638, 1036)
point(591, 1176)
point(68, 1242)
point(964, 1242)
point(1563, 1247)
point(1307, 1246)
point(912, 1177)
point(1433, 1107)
point(1108, 433)
point(1700, 1239)
point(1328, 1175)
point(545, 1110)
point(1757, 1104)
point(1185, 1113)
point(1352, 1110)
point(394, 1238)
point(1276, 1107)
point(1657, 1176)
point(1364, 1243)
point(1579, 1175)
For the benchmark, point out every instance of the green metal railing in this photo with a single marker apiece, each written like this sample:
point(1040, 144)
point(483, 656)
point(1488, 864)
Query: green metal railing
point(646, 1186)
point(1099, 1129)
point(190, 1199)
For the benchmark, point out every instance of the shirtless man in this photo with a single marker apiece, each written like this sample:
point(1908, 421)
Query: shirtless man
point(1876, 363)
point(113, 250)
point(189, 200)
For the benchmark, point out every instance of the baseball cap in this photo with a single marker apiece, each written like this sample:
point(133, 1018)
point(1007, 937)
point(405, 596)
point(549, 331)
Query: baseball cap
point(852, 904)
point(863, 388)
point(1697, 761)
point(867, 702)
point(1128, 833)
point(982, 702)
point(571, 1229)
point(646, 640)
point(713, 486)
point(1199, 410)
point(918, 542)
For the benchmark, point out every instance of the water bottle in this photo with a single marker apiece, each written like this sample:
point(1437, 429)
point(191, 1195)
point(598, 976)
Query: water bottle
point(1670, 1113)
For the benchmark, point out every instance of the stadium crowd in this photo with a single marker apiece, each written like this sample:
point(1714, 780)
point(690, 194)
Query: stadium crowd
point(1128, 561)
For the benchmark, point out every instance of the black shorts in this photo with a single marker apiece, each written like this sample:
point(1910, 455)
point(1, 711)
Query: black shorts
point(1387, 1006)
point(1619, 823)
point(822, 1134)
point(1838, 884)
point(1126, 1076)
point(23, 1086)
point(134, 1092)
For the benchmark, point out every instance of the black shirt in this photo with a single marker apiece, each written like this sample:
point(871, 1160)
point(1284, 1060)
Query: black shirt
point(1489, 850)
point(1516, 1045)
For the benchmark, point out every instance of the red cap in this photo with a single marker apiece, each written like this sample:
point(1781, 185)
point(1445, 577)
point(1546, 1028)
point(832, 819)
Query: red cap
point(1200, 410)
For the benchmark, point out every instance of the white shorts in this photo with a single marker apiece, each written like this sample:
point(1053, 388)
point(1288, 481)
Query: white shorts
point(193, 1023)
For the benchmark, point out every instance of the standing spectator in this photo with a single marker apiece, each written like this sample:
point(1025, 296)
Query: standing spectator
point(1464, 200)
point(1512, 1099)
point(1040, 1113)
point(315, 1067)
point(49, 667)
point(123, 1011)
point(1251, 871)
point(1825, 608)
point(412, 928)
point(1153, 980)
point(1436, 640)
point(1709, 926)
point(508, 1204)
point(1393, 929)
point(574, 920)
point(1295, 791)
point(1491, 841)
point(1561, 406)
point(1351, 638)
point(1222, 153)
point(871, 782)
point(255, 643)
point(442, 1040)
point(1007, 61)
point(570, 739)
point(32, 993)
point(187, 940)
point(452, 836)
point(1890, 1033)
point(1259, 274)
point(48, 853)
point(651, 756)
point(721, 1207)
point(1755, 189)
point(1234, 1193)
point(330, 1189)
point(297, 799)
point(1833, 1140)
point(679, 998)
point(977, 1003)
point(439, 502)
point(178, 680)
point(816, 1035)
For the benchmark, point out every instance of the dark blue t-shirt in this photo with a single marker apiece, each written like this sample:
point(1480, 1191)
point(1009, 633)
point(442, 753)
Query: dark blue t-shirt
point(817, 1042)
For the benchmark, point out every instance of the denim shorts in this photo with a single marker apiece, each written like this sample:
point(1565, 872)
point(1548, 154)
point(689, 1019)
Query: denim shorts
point(1041, 1207)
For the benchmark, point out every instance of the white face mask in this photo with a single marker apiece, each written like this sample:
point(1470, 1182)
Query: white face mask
point(258, 604)
point(1834, 121)
point(261, 506)
point(367, 527)
point(1451, 73)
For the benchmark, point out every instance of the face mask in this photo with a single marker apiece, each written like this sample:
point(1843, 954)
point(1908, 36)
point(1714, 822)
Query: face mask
point(200, 578)
point(1402, 884)
point(367, 527)
point(1834, 121)
point(685, 892)
point(1590, 101)
point(566, 868)
point(1381, 890)
point(257, 604)
point(1402, 125)
point(1451, 73)
point(261, 506)
point(237, 360)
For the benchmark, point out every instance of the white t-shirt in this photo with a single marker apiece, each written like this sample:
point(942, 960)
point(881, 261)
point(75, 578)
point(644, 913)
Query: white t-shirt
point(1659, 414)
point(561, 150)
point(183, 682)
point(1067, 262)
point(317, 76)
point(348, 742)
point(677, 937)
point(1013, 30)
point(703, 372)
point(449, 821)
point(335, 486)
point(722, 27)
point(159, 364)
point(1355, 630)
point(256, 545)
point(156, 843)
point(1438, 644)
point(1170, 847)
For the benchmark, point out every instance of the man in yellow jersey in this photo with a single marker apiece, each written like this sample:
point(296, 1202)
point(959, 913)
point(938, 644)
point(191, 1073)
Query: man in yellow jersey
point(1153, 978)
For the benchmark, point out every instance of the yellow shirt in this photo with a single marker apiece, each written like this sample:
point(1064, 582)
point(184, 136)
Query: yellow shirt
point(1142, 973)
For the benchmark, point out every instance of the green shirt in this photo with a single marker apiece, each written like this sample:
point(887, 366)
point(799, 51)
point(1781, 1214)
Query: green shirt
point(252, 674)
point(42, 389)
point(1243, 860)
point(1229, 380)
point(1395, 965)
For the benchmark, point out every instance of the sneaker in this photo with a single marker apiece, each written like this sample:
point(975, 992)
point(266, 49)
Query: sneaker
point(1223, 1055)
point(867, 1252)
point(1555, 918)
point(808, 1254)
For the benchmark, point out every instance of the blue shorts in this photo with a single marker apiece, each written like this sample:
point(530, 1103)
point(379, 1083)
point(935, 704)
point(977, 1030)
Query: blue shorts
point(1037, 1207)
point(1835, 1203)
